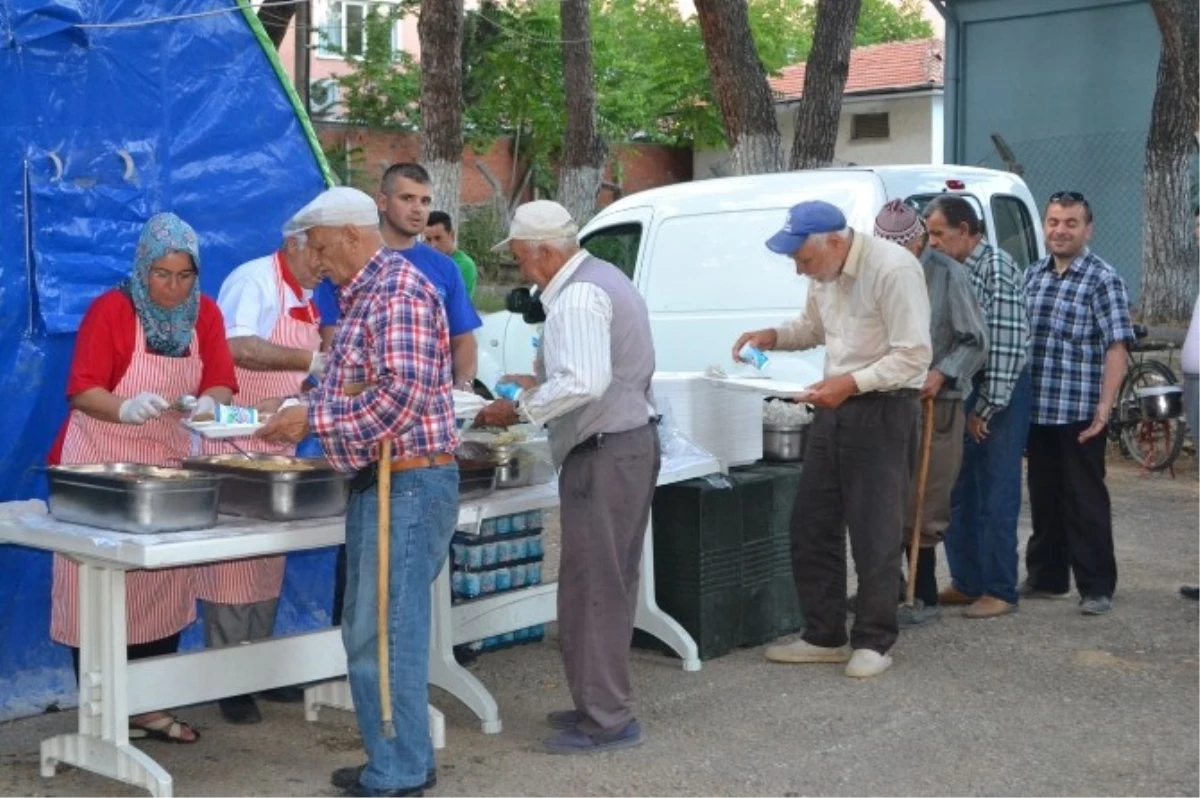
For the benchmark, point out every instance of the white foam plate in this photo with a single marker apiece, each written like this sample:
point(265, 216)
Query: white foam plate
point(764, 385)
point(213, 430)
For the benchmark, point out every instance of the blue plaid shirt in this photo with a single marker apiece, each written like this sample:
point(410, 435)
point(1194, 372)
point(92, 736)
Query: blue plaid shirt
point(1076, 317)
point(996, 281)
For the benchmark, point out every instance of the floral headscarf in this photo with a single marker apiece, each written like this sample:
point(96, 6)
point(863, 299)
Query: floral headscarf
point(168, 332)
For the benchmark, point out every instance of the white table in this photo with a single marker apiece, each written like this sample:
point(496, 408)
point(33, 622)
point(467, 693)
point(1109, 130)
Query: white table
point(112, 688)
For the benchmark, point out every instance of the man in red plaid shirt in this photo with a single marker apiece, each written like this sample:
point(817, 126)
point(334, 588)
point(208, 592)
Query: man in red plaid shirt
point(388, 377)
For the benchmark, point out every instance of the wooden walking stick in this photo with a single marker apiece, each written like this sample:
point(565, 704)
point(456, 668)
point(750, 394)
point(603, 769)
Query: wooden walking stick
point(914, 544)
point(382, 583)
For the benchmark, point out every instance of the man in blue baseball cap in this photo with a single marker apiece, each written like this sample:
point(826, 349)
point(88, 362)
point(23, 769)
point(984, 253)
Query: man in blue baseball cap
point(869, 307)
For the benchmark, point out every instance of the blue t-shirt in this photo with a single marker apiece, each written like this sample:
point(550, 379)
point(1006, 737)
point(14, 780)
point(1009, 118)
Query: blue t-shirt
point(439, 269)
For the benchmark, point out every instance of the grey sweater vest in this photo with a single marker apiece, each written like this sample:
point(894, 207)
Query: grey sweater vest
point(626, 403)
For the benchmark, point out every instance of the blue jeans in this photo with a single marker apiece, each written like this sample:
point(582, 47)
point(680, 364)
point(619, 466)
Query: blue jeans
point(981, 543)
point(424, 513)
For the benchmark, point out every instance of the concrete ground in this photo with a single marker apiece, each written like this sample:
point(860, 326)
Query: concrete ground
point(1045, 702)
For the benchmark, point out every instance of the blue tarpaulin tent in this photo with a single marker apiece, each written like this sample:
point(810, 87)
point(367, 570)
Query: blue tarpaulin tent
point(111, 111)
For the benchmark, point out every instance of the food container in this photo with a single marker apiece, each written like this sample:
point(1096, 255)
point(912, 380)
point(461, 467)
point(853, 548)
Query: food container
point(475, 480)
point(134, 498)
point(275, 487)
point(1161, 402)
point(784, 442)
point(516, 472)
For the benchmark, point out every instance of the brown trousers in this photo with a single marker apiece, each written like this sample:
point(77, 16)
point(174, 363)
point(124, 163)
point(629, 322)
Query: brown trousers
point(945, 459)
point(605, 496)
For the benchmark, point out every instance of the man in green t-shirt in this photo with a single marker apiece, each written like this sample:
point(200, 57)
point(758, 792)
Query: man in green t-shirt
point(439, 234)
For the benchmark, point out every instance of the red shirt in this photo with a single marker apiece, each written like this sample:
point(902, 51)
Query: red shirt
point(104, 349)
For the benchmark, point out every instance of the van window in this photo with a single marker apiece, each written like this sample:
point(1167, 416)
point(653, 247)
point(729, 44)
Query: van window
point(1014, 229)
point(618, 245)
point(921, 201)
point(719, 263)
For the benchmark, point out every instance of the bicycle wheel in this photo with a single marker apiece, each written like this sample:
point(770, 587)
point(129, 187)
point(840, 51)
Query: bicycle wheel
point(1154, 445)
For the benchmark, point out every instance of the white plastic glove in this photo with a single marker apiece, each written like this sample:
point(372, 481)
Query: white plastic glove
point(141, 408)
point(316, 367)
point(205, 405)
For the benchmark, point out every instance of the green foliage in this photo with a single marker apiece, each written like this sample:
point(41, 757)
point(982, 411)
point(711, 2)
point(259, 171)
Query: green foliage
point(384, 89)
point(880, 21)
point(478, 231)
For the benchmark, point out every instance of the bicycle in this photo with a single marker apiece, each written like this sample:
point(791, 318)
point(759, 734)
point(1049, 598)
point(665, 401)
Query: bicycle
point(1152, 443)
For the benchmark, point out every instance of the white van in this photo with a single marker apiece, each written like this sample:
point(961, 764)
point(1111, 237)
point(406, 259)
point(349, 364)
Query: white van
point(695, 251)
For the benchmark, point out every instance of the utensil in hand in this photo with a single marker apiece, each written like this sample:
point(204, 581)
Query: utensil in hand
point(241, 451)
point(184, 404)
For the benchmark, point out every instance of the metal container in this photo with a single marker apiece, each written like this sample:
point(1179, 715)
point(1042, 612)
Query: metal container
point(134, 498)
point(784, 443)
point(1161, 402)
point(516, 472)
point(475, 480)
point(276, 488)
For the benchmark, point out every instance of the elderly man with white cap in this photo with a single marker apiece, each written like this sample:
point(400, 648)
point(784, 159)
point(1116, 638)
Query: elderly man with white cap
point(867, 304)
point(958, 332)
point(592, 391)
point(272, 328)
point(388, 378)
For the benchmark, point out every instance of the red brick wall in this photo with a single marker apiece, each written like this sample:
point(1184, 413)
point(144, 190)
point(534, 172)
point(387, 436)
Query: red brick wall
point(642, 166)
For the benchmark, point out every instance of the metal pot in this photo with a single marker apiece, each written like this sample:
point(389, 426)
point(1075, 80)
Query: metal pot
point(784, 442)
point(1161, 402)
point(514, 473)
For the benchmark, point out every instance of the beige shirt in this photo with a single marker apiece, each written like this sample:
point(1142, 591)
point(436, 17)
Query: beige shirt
point(873, 319)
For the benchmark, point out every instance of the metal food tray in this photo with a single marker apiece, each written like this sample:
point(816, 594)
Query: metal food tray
point(313, 489)
point(131, 497)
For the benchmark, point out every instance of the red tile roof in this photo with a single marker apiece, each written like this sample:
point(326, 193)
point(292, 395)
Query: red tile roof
point(895, 66)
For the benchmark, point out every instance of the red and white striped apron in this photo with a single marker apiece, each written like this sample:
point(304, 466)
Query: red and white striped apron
point(260, 578)
point(161, 602)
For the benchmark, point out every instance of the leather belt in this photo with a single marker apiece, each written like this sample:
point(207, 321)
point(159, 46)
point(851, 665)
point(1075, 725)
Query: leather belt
point(366, 479)
point(596, 441)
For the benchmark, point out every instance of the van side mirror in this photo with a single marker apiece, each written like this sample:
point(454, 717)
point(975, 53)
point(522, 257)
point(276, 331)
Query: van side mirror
point(526, 303)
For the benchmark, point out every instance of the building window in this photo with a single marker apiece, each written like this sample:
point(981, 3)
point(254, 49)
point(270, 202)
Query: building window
point(869, 126)
point(343, 31)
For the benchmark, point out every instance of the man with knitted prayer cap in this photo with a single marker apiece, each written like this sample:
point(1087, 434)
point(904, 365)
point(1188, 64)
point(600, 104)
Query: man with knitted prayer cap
point(958, 333)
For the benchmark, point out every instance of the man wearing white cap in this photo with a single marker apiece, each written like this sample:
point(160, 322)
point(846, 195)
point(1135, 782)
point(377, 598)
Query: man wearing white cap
point(958, 333)
point(388, 378)
point(272, 328)
point(592, 391)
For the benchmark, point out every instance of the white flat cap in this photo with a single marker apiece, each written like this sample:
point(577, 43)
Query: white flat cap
point(334, 207)
point(540, 220)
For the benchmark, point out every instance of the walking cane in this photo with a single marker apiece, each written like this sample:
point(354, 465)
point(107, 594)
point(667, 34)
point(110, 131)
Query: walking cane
point(919, 510)
point(383, 591)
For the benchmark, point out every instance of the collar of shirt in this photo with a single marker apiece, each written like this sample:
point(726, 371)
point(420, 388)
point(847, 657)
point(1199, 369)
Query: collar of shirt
point(360, 282)
point(289, 279)
point(853, 257)
point(555, 286)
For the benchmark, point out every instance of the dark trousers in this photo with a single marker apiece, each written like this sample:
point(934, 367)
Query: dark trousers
point(857, 475)
point(154, 648)
point(605, 496)
point(1072, 514)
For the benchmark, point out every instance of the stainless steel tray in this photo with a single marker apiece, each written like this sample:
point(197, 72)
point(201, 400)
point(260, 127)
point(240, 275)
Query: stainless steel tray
point(276, 488)
point(134, 498)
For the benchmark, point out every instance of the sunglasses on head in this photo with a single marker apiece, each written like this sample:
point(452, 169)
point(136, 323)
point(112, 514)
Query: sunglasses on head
point(1068, 198)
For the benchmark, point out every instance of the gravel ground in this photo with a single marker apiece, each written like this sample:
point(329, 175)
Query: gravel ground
point(1045, 702)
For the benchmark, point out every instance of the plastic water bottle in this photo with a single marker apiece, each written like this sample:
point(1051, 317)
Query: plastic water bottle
point(508, 390)
point(503, 579)
point(753, 355)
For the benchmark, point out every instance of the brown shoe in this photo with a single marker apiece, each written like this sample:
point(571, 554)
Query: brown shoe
point(989, 607)
point(952, 595)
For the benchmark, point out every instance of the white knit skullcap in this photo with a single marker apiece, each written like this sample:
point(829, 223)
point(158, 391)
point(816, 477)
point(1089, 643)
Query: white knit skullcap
point(335, 207)
point(540, 220)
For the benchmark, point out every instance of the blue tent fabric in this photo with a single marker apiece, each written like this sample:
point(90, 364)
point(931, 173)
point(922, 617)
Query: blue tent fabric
point(111, 111)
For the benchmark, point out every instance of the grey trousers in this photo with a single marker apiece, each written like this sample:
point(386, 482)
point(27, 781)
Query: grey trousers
point(945, 460)
point(857, 475)
point(1191, 405)
point(605, 496)
point(230, 624)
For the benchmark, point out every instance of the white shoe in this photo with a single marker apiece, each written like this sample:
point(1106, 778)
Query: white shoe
point(867, 663)
point(801, 652)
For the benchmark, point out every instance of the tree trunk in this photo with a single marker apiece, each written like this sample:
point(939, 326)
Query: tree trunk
point(1178, 21)
point(584, 152)
point(824, 81)
point(441, 31)
point(740, 85)
point(275, 16)
point(1169, 252)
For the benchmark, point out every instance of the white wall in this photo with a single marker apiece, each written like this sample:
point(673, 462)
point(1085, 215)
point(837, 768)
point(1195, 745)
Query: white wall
point(914, 122)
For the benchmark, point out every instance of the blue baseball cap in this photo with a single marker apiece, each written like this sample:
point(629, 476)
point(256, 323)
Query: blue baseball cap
point(803, 220)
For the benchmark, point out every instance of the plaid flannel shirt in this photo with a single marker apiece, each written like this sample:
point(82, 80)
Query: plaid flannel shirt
point(1076, 317)
point(393, 337)
point(997, 285)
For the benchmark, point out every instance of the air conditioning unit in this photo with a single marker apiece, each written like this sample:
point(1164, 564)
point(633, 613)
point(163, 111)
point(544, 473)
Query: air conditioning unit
point(322, 96)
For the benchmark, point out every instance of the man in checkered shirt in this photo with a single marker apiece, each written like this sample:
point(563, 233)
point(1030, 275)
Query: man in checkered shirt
point(1080, 314)
point(981, 542)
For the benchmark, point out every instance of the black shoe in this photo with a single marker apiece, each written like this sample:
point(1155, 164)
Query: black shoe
point(359, 791)
point(284, 695)
point(240, 709)
point(1190, 591)
point(346, 778)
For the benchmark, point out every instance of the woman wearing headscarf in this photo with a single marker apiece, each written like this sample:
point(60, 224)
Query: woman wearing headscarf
point(140, 347)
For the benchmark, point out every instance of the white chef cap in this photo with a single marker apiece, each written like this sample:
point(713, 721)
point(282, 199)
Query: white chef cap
point(334, 207)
